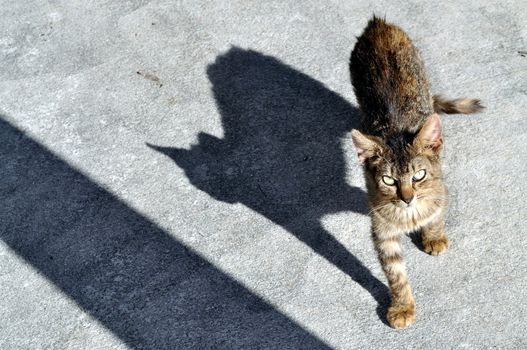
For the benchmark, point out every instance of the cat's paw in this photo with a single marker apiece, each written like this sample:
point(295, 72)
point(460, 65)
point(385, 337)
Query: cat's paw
point(400, 317)
point(435, 246)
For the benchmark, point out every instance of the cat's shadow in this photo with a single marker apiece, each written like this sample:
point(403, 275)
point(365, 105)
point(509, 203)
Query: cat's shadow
point(281, 154)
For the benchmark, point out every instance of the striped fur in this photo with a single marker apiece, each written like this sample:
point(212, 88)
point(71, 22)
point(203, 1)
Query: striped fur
point(457, 106)
point(402, 138)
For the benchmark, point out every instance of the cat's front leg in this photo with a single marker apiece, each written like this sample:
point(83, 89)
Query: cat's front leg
point(434, 238)
point(401, 312)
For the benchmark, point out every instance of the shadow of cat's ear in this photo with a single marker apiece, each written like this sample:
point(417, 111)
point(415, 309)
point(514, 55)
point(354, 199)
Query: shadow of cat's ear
point(167, 151)
point(205, 142)
point(178, 155)
point(210, 143)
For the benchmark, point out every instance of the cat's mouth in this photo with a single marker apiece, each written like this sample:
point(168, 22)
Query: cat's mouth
point(407, 204)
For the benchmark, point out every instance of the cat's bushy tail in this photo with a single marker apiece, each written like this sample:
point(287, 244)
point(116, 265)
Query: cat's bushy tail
point(457, 106)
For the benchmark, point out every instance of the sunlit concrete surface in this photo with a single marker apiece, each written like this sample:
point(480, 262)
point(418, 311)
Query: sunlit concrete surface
point(180, 174)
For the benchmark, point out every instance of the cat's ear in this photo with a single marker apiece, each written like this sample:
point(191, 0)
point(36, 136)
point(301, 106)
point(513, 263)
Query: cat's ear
point(366, 146)
point(430, 137)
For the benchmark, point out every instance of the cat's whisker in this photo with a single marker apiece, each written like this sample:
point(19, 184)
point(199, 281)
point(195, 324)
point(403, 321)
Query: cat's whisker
point(377, 208)
point(434, 199)
point(431, 197)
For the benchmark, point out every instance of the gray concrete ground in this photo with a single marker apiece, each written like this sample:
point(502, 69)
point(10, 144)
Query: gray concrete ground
point(180, 174)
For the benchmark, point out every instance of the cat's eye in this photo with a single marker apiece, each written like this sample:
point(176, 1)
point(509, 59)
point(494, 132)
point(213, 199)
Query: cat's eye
point(390, 181)
point(418, 176)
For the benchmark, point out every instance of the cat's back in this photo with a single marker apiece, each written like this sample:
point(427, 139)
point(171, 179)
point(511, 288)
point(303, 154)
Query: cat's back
point(389, 79)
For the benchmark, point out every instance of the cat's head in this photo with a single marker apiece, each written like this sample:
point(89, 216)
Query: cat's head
point(403, 174)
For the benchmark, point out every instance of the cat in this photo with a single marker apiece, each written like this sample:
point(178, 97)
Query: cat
point(399, 147)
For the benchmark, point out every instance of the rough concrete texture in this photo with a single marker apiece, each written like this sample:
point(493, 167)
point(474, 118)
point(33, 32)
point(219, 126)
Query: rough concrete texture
point(180, 174)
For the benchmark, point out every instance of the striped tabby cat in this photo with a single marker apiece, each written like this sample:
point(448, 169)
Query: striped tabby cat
point(399, 146)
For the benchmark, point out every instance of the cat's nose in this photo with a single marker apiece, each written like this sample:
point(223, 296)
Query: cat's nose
point(406, 193)
point(408, 199)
